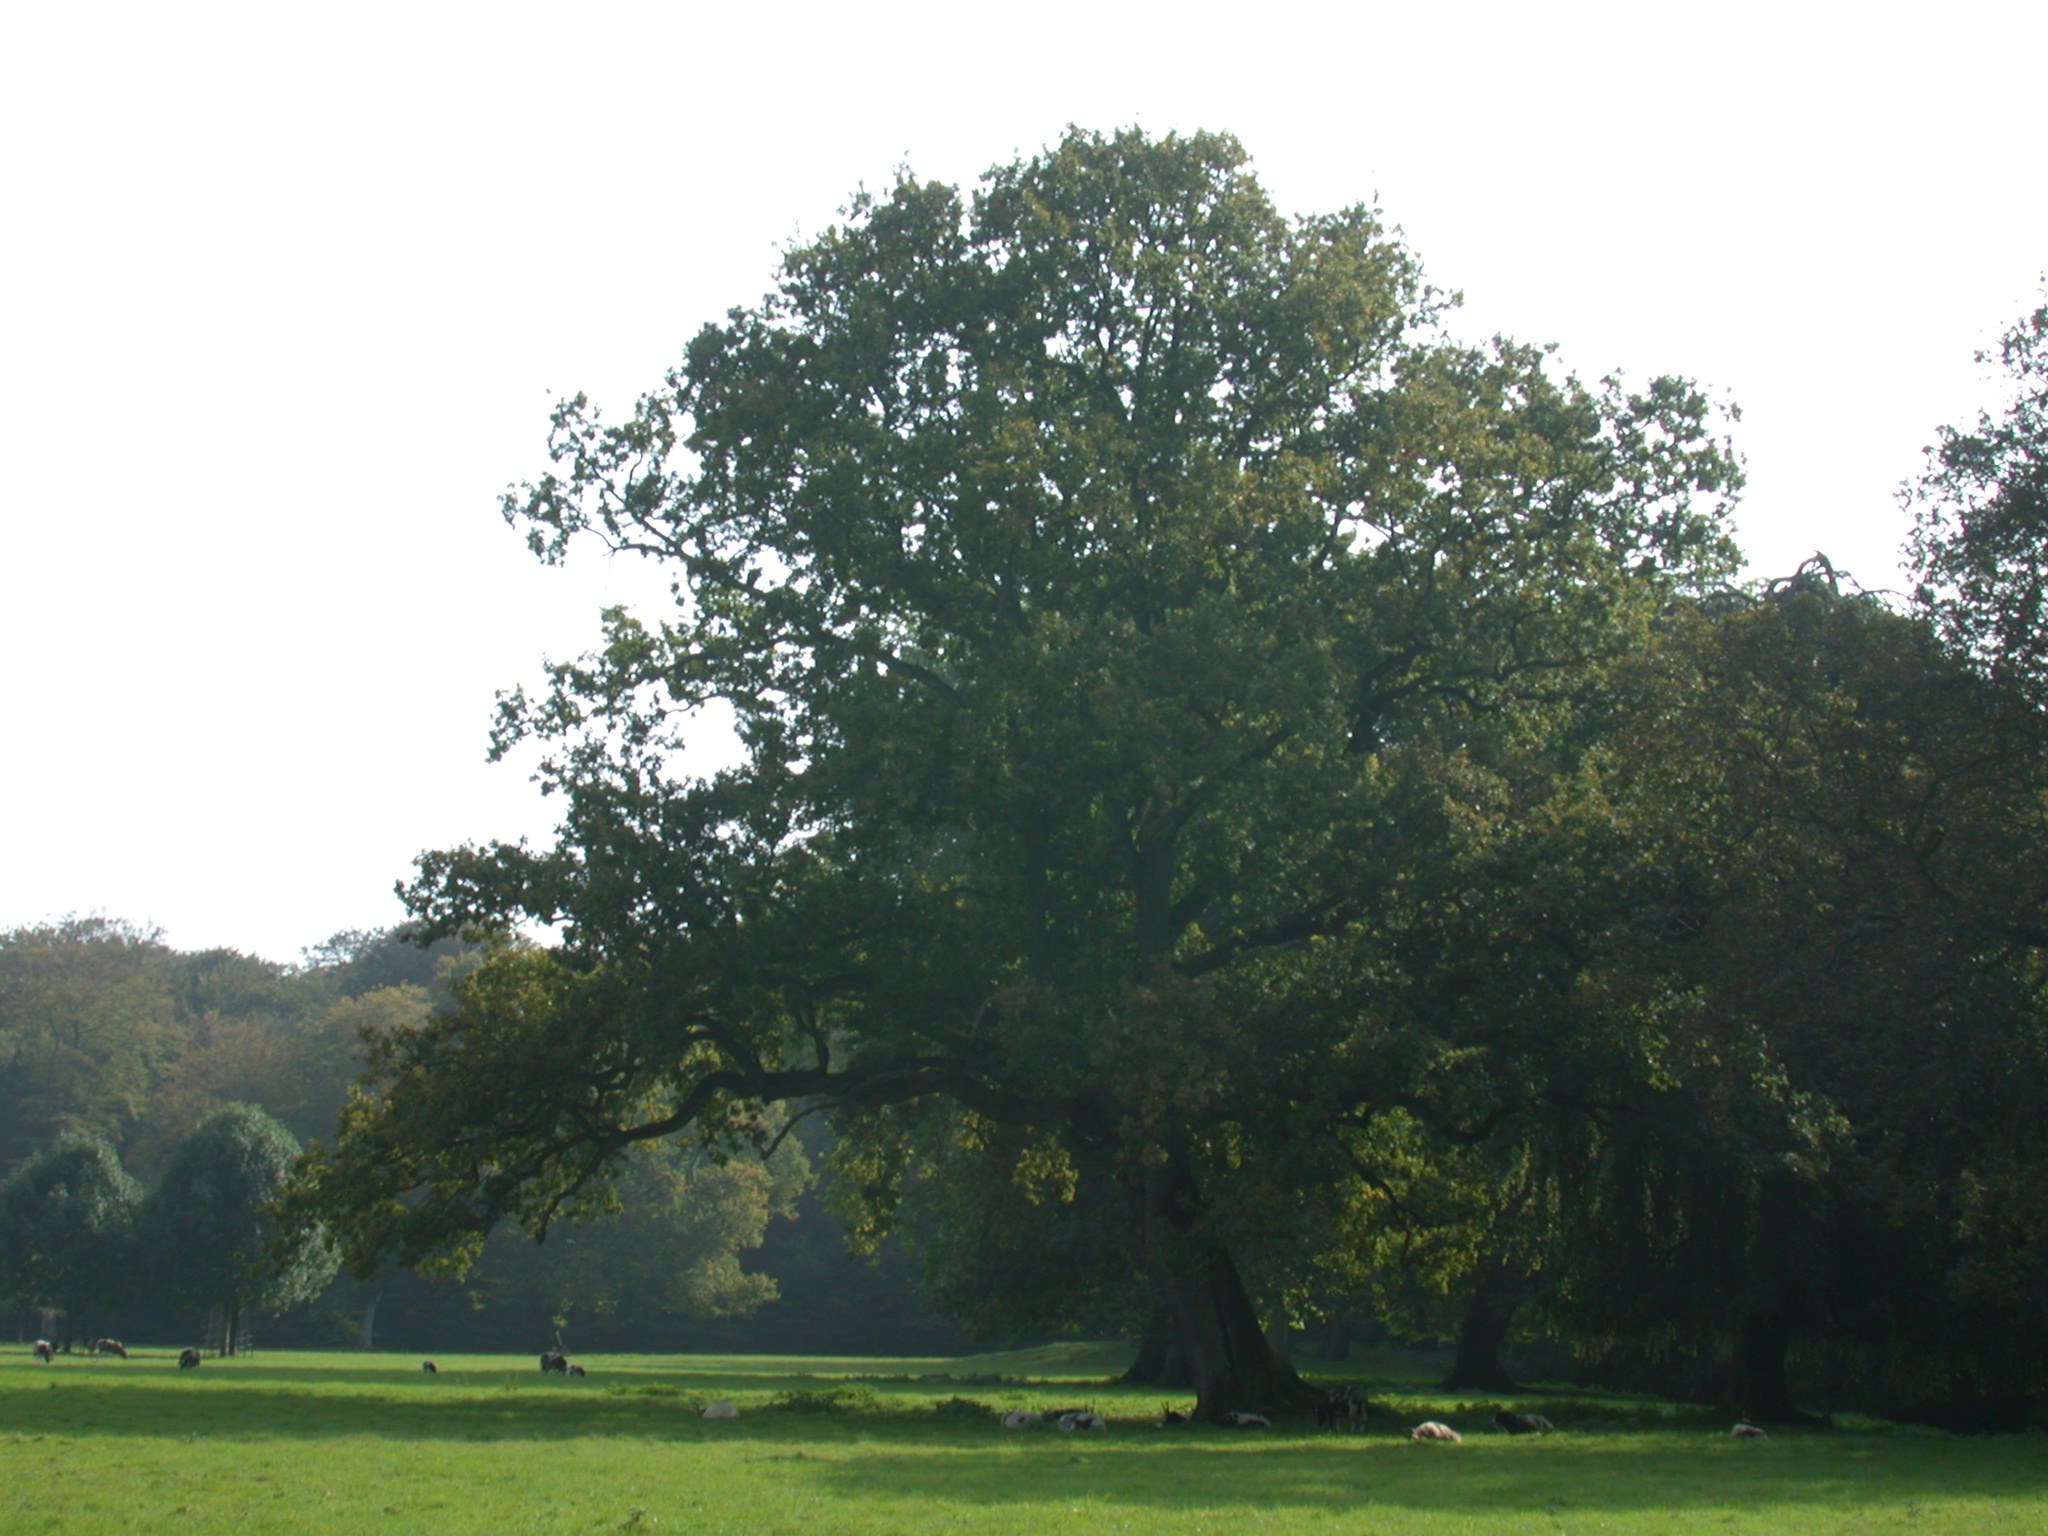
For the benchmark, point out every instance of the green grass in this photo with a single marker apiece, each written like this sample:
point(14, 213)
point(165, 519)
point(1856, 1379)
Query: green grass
point(353, 1443)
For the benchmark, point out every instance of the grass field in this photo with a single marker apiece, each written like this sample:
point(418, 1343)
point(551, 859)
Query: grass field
point(351, 1442)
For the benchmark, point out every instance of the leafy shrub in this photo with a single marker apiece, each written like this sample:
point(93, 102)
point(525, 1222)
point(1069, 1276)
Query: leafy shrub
point(829, 1400)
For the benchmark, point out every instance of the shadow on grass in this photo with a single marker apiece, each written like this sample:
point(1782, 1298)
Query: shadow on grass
point(1612, 1474)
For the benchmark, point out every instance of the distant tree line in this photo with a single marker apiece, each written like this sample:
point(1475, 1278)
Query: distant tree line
point(152, 1102)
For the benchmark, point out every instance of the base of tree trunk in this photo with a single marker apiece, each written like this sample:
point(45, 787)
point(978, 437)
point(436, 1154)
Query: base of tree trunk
point(1235, 1368)
point(1161, 1361)
point(1483, 1333)
point(1758, 1387)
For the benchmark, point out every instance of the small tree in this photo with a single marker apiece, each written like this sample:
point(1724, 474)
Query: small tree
point(207, 1227)
point(65, 1218)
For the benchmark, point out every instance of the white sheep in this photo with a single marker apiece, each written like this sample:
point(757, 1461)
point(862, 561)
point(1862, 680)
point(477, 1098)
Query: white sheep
point(1432, 1430)
point(720, 1410)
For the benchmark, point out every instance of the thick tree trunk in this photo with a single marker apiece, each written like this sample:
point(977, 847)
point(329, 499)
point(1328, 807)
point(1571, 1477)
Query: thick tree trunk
point(1235, 1369)
point(1758, 1386)
point(1161, 1361)
point(1196, 1285)
point(1484, 1332)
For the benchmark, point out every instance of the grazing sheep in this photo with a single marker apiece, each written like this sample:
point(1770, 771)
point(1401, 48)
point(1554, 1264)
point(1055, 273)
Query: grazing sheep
point(1018, 1418)
point(554, 1360)
point(189, 1358)
point(1244, 1421)
point(720, 1411)
point(430, 1368)
point(1083, 1420)
point(109, 1347)
point(1523, 1423)
point(576, 1370)
point(1346, 1406)
point(44, 1352)
point(1432, 1430)
point(1744, 1430)
point(1171, 1415)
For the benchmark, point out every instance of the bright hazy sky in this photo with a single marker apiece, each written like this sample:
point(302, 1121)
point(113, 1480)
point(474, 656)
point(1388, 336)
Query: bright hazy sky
point(286, 292)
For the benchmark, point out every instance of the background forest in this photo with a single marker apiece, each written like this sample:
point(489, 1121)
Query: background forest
point(117, 1052)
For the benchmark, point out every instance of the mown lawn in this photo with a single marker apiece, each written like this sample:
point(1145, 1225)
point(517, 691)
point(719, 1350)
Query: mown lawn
point(349, 1442)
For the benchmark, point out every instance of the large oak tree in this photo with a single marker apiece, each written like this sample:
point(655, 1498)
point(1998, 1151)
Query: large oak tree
point(1117, 589)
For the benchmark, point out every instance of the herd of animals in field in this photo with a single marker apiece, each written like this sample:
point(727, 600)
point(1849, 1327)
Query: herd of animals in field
point(1340, 1408)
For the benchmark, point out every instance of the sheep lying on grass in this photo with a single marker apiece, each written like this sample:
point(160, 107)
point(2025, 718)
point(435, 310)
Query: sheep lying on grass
point(1432, 1430)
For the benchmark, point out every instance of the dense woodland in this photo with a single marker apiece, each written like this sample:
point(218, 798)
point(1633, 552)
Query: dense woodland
point(1257, 817)
point(120, 1055)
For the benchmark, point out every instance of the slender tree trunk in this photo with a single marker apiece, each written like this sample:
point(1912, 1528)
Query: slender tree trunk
point(1483, 1332)
point(367, 1336)
point(1333, 1339)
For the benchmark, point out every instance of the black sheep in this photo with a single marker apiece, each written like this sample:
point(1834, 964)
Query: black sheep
point(1343, 1405)
point(188, 1358)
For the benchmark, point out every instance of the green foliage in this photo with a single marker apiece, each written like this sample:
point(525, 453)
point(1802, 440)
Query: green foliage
point(296, 1067)
point(1126, 597)
point(670, 1245)
point(208, 1230)
point(66, 1216)
point(1980, 537)
point(87, 1015)
point(1833, 951)
point(823, 1399)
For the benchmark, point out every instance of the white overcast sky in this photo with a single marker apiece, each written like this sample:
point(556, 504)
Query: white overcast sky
point(286, 292)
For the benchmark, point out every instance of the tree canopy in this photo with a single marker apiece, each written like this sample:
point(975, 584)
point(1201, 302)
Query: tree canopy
point(65, 1219)
point(1980, 538)
point(1126, 596)
point(209, 1227)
